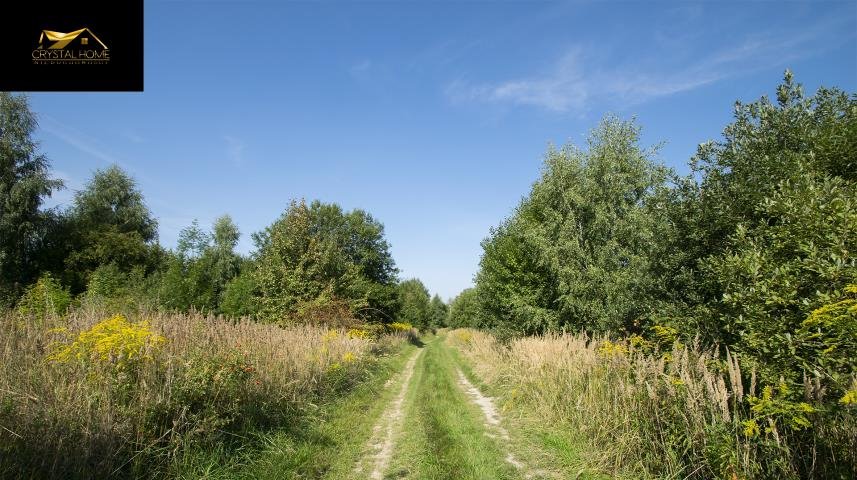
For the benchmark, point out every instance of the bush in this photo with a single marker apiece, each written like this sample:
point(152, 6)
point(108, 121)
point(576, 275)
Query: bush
point(44, 299)
point(237, 300)
point(211, 394)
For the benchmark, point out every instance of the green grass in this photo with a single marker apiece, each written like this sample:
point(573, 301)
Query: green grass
point(442, 436)
point(443, 433)
point(553, 448)
point(325, 443)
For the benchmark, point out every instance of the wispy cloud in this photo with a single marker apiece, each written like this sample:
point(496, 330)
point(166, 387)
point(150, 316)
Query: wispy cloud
point(583, 76)
point(76, 139)
point(235, 149)
point(360, 70)
point(132, 136)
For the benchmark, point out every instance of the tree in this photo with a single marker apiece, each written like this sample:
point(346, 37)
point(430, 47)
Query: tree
point(439, 312)
point(24, 184)
point(238, 296)
point(202, 266)
point(775, 221)
point(464, 310)
point(415, 307)
point(575, 254)
point(109, 223)
point(317, 261)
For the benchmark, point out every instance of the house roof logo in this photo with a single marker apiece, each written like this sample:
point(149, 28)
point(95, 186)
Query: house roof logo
point(61, 40)
point(79, 46)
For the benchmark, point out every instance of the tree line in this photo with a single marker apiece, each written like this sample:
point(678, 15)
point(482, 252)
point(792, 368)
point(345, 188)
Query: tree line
point(753, 251)
point(315, 263)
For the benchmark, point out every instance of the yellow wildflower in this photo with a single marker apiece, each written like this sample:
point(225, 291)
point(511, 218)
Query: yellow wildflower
point(115, 340)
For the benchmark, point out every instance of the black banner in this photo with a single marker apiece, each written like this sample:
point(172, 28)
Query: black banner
point(72, 46)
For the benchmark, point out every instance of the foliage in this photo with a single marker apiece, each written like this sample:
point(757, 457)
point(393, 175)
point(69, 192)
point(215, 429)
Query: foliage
point(415, 303)
point(24, 183)
point(44, 299)
point(575, 254)
point(782, 185)
point(438, 312)
point(197, 274)
point(109, 223)
point(112, 289)
point(464, 310)
point(238, 297)
point(211, 395)
point(826, 342)
point(316, 253)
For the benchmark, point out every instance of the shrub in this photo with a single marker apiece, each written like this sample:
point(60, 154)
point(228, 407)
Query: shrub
point(44, 299)
point(211, 394)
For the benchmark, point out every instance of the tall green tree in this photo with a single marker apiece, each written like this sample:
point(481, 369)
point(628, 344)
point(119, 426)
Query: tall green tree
point(24, 184)
point(202, 266)
point(109, 223)
point(575, 254)
point(438, 312)
point(415, 303)
point(319, 261)
point(464, 310)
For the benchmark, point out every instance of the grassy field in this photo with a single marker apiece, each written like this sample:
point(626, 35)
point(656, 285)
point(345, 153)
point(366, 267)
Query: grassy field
point(189, 396)
point(620, 408)
point(97, 395)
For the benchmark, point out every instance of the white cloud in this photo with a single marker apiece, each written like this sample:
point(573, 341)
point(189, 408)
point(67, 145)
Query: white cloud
point(76, 139)
point(582, 76)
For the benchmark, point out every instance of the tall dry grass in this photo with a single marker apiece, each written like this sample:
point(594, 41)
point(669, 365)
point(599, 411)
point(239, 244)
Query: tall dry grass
point(678, 413)
point(211, 381)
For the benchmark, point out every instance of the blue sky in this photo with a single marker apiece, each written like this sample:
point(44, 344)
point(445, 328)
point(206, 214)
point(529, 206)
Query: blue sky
point(433, 116)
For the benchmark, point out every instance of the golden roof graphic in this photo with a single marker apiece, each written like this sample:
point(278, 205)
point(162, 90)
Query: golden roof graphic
point(62, 39)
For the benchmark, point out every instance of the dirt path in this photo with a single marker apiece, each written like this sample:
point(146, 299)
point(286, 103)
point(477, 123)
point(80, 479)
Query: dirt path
point(492, 423)
point(436, 424)
point(383, 434)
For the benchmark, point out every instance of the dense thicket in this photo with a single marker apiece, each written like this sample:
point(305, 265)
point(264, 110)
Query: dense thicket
point(438, 311)
point(464, 310)
point(576, 253)
point(753, 251)
point(196, 275)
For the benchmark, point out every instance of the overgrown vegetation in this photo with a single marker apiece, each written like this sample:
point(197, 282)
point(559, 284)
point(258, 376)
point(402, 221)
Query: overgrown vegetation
point(95, 395)
point(647, 409)
point(750, 259)
point(691, 326)
point(119, 357)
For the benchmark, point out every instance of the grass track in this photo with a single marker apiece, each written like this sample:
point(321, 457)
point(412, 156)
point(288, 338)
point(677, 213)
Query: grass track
point(551, 448)
point(444, 436)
